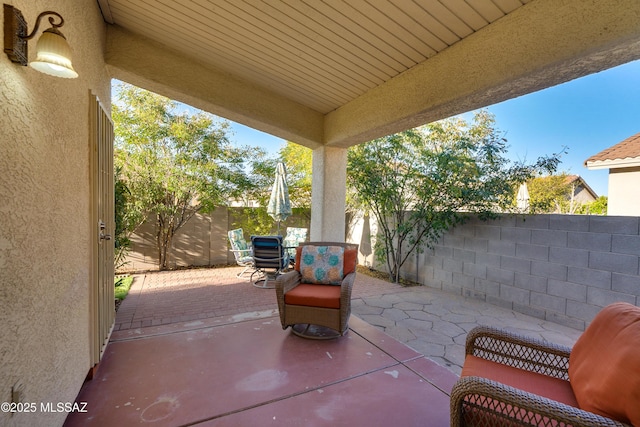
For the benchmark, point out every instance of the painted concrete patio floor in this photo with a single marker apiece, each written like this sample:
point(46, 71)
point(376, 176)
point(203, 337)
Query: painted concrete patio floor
point(202, 347)
point(252, 373)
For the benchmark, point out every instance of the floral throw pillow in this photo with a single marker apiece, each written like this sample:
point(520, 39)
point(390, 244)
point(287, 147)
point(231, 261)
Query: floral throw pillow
point(322, 264)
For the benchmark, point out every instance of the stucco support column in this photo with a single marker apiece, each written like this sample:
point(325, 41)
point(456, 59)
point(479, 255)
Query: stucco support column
point(328, 194)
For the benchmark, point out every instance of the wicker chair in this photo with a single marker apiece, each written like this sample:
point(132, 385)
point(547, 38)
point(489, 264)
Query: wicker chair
point(478, 401)
point(318, 311)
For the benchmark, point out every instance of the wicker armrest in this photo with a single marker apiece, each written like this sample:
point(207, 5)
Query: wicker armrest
point(287, 281)
point(284, 283)
point(479, 401)
point(346, 287)
point(519, 351)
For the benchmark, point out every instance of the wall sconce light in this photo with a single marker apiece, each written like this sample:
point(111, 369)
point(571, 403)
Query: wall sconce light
point(53, 55)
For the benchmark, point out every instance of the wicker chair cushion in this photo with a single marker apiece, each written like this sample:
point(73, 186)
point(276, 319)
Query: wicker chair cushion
point(604, 366)
point(314, 296)
point(532, 382)
point(322, 264)
point(350, 260)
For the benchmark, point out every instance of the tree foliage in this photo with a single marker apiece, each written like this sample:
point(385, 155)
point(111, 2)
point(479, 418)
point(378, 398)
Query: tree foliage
point(122, 243)
point(261, 175)
point(260, 171)
point(175, 164)
point(557, 194)
point(549, 194)
point(298, 160)
point(597, 207)
point(423, 181)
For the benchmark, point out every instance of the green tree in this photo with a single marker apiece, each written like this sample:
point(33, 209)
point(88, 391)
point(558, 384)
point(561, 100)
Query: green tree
point(597, 207)
point(549, 194)
point(557, 194)
point(421, 182)
point(256, 187)
point(121, 239)
point(298, 160)
point(175, 164)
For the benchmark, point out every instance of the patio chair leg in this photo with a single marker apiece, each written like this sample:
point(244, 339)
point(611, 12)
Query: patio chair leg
point(254, 272)
point(246, 270)
point(265, 281)
point(239, 275)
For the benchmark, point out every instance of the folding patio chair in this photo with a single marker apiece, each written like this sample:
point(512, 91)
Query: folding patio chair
point(292, 240)
point(241, 251)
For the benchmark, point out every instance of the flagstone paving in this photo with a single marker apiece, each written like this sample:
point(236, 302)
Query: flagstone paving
point(436, 323)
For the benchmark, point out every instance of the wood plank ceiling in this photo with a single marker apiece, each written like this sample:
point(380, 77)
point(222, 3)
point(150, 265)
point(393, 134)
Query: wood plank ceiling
point(319, 53)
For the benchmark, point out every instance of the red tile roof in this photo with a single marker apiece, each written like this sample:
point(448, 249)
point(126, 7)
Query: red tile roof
point(629, 148)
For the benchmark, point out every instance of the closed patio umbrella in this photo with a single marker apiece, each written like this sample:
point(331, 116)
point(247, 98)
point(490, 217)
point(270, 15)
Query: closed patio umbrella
point(365, 239)
point(522, 199)
point(279, 207)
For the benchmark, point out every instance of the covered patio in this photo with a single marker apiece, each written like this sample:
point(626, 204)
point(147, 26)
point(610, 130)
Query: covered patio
point(327, 75)
point(202, 347)
point(330, 75)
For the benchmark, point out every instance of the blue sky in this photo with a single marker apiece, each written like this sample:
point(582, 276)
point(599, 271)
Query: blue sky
point(586, 115)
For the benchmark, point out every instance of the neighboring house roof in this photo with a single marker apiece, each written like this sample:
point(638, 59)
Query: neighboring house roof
point(625, 154)
point(579, 182)
point(579, 186)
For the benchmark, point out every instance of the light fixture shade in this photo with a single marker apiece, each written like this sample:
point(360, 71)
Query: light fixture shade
point(53, 55)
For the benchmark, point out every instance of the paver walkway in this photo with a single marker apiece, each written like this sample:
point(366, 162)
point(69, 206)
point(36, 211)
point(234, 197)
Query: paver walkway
point(432, 322)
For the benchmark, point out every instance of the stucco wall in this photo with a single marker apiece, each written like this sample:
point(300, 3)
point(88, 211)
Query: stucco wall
point(45, 215)
point(624, 191)
point(563, 268)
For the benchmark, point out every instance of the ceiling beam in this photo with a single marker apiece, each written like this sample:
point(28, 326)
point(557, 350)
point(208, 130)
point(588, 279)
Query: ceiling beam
point(539, 45)
point(149, 65)
point(542, 44)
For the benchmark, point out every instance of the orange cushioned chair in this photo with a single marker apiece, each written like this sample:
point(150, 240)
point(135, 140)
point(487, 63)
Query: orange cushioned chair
point(511, 380)
point(315, 298)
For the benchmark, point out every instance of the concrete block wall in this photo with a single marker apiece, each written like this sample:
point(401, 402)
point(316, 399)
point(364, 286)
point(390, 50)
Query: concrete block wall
point(563, 268)
point(202, 241)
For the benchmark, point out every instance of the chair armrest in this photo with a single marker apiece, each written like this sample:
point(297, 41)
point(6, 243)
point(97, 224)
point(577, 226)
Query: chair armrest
point(278, 263)
point(284, 283)
point(287, 281)
point(479, 401)
point(346, 287)
point(519, 351)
